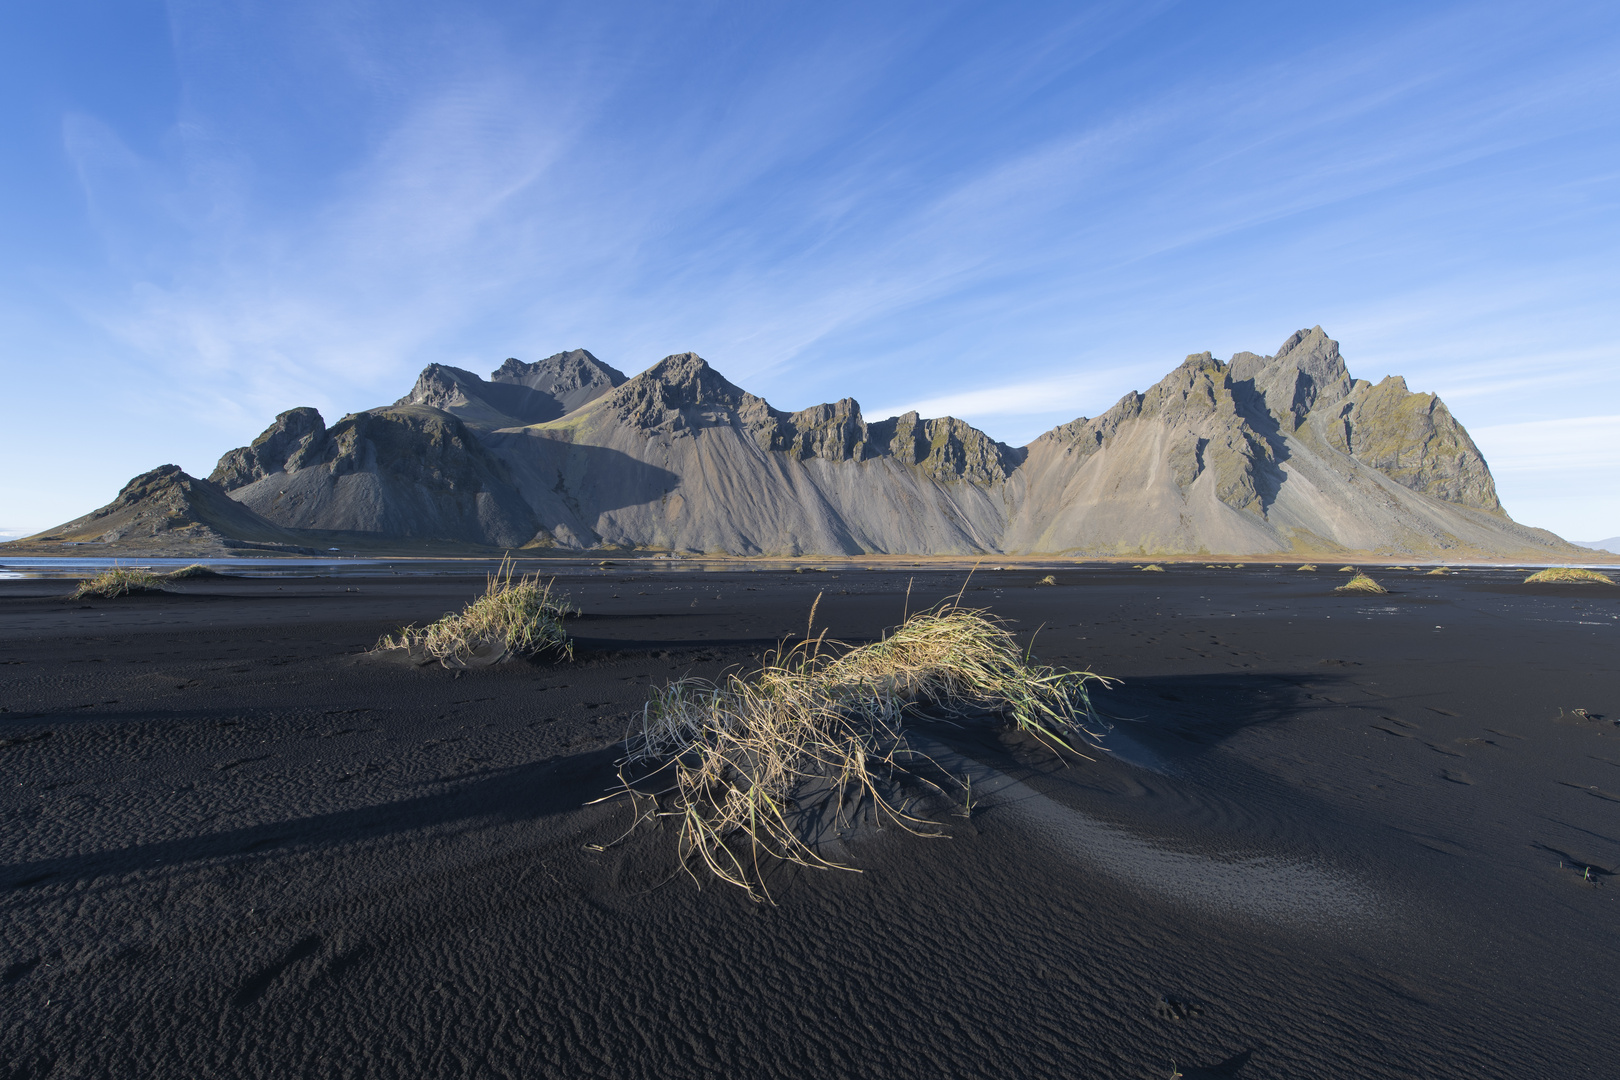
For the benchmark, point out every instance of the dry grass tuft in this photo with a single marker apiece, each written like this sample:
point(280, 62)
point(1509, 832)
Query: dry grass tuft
point(825, 719)
point(1361, 583)
point(1306, 566)
point(1048, 580)
point(1569, 573)
point(511, 619)
point(1154, 566)
point(195, 570)
point(1347, 570)
point(1438, 571)
point(119, 581)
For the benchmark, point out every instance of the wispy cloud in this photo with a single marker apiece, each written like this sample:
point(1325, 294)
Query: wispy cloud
point(1564, 474)
point(1574, 445)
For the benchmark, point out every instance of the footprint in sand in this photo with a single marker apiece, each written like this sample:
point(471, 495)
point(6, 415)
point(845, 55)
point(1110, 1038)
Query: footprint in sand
point(254, 987)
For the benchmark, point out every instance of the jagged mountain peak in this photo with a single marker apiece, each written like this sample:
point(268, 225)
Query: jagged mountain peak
point(1305, 372)
point(295, 439)
point(673, 391)
point(572, 378)
point(694, 377)
point(442, 386)
point(517, 394)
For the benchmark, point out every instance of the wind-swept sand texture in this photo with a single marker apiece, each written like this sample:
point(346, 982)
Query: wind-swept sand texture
point(1338, 837)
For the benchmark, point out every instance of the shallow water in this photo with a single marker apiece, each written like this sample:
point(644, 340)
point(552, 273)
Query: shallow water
point(74, 567)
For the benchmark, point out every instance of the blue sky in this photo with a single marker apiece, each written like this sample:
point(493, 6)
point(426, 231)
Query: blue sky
point(210, 213)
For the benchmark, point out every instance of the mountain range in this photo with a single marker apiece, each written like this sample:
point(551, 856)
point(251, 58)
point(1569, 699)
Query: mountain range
point(1285, 453)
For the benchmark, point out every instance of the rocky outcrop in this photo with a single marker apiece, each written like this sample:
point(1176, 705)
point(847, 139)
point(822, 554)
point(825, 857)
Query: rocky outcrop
point(296, 438)
point(1265, 454)
point(479, 405)
point(683, 394)
point(571, 379)
point(1306, 373)
point(517, 394)
point(409, 471)
point(681, 458)
point(1205, 432)
point(945, 449)
point(1412, 439)
point(170, 509)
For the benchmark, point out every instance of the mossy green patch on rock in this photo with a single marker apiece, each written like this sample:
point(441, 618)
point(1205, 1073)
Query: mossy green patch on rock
point(1414, 440)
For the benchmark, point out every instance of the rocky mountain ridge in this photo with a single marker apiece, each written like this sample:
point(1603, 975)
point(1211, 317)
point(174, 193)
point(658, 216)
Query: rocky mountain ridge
point(683, 393)
point(1260, 454)
point(516, 393)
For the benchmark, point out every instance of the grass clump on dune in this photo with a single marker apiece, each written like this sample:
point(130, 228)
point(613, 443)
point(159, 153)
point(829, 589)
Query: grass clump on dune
point(827, 718)
point(1154, 566)
point(1048, 580)
point(119, 581)
point(195, 570)
point(1306, 566)
point(1347, 570)
point(1569, 573)
point(1361, 583)
point(512, 619)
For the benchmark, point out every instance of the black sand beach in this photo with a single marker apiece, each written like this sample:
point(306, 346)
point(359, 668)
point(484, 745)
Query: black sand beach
point(1339, 837)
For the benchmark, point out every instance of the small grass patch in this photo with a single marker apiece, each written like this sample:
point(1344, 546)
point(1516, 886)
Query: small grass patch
point(1306, 566)
point(1347, 569)
point(1155, 567)
point(1438, 571)
point(512, 619)
point(1361, 583)
point(195, 570)
point(119, 581)
point(1048, 580)
point(1570, 574)
point(826, 719)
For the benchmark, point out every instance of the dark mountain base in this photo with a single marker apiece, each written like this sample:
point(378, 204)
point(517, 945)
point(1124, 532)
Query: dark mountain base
point(1370, 844)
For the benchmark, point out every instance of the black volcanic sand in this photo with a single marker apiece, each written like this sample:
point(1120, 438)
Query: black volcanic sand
point(1339, 837)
